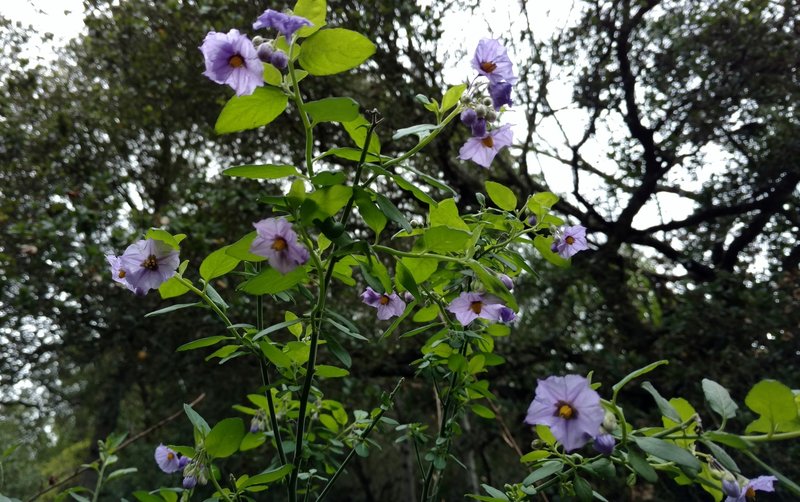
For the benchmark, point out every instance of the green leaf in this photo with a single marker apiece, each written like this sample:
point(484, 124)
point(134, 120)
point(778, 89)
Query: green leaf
point(669, 452)
point(391, 211)
point(241, 249)
point(546, 470)
point(325, 371)
point(446, 213)
point(421, 268)
point(326, 202)
point(328, 178)
point(121, 472)
point(482, 411)
point(534, 456)
point(543, 244)
point(224, 439)
point(270, 281)
point(267, 477)
point(333, 110)
point(540, 203)
point(353, 154)
point(421, 130)
point(583, 490)
point(719, 399)
point(198, 421)
point(357, 130)
point(501, 195)
point(774, 402)
point(636, 374)
point(333, 51)
point(275, 327)
point(663, 405)
point(642, 467)
point(167, 238)
point(252, 441)
point(451, 97)
point(272, 75)
point(495, 493)
point(441, 239)
point(721, 455)
point(242, 113)
point(405, 278)
point(217, 264)
point(202, 342)
point(732, 440)
point(143, 496)
point(314, 11)
point(171, 308)
point(415, 191)
point(261, 171)
point(274, 354)
point(172, 288)
point(373, 216)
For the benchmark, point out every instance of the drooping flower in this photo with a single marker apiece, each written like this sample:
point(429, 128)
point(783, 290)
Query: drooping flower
point(492, 61)
point(470, 306)
point(117, 272)
point(482, 150)
point(605, 443)
point(478, 127)
point(231, 59)
point(469, 116)
point(507, 315)
point(388, 304)
point(145, 265)
point(279, 59)
point(500, 93)
point(737, 493)
point(569, 241)
point(570, 407)
point(286, 24)
point(167, 459)
point(277, 242)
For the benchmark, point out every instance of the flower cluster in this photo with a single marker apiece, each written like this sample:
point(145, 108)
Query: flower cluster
point(232, 58)
point(277, 241)
point(170, 462)
point(491, 61)
point(571, 409)
point(144, 265)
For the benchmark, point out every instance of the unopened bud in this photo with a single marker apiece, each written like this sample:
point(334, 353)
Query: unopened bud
point(604, 443)
point(609, 422)
point(465, 99)
point(468, 116)
point(257, 41)
point(265, 53)
point(491, 115)
point(487, 101)
point(279, 59)
point(532, 221)
point(507, 282)
point(481, 110)
point(408, 297)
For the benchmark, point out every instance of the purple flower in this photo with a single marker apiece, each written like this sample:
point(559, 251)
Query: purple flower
point(265, 52)
point(506, 315)
point(231, 59)
point(183, 461)
point(492, 61)
point(470, 306)
point(388, 305)
point(569, 407)
point(167, 459)
point(277, 242)
point(738, 493)
point(279, 59)
point(189, 482)
point(569, 241)
point(469, 116)
point(117, 272)
point(532, 221)
point(500, 93)
point(478, 127)
point(506, 280)
point(145, 265)
point(286, 24)
point(604, 443)
point(483, 150)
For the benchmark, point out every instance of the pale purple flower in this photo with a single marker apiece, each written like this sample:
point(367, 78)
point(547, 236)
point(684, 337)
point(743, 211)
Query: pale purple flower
point(117, 272)
point(532, 221)
point(492, 61)
point(506, 315)
point(277, 242)
point(478, 127)
point(570, 407)
point(167, 459)
point(470, 306)
point(265, 52)
point(286, 24)
point(183, 461)
point(388, 304)
point(145, 265)
point(604, 443)
point(569, 241)
point(231, 59)
point(736, 493)
point(482, 150)
point(500, 93)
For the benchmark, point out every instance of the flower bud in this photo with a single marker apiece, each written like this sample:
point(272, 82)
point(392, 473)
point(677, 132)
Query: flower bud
point(609, 422)
point(604, 443)
point(507, 282)
point(487, 101)
point(481, 110)
point(468, 116)
point(465, 99)
point(189, 482)
point(491, 115)
point(265, 52)
point(532, 221)
point(408, 297)
point(279, 59)
point(258, 40)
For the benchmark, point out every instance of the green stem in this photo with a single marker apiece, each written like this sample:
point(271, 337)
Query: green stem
point(621, 419)
point(440, 257)
point(676, 428)
point(352, 451)
point(419, 146)
point(265, 380)
point(298, 100)
point(780, 436)
point(99, 484)
point(785, 482)
point(219, 488)
point(208, 301)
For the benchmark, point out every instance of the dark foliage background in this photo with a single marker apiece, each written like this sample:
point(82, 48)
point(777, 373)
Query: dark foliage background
point(693, 102)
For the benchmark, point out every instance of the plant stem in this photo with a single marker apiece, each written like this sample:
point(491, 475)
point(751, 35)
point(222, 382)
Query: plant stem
point(219, 488)
point(99, 484)
point(419, 146)
point(265, 380)
point(298, 100)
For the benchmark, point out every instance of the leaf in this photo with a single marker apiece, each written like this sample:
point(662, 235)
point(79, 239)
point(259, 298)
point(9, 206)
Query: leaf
point(353, 154)
point(217, 264)
point(242, 113)
point(261, 171)
point(583, 490)
point(224, 439)
point(373, 216)
point(501, 195)
point(202, 342)
point(546, 470)
point(270, 281)
point(252, 441)
point(275, 327)
point(167, 238)
point(540, 203)
point(143, 496)
point(669, 452)
point(642, 467)
point(172, 288)
point(636, 374)
point(274, 354)
point(534, 455)
point(325, 371)
point(333, 110)
point(391, 211)
point(666, 409)
point(451, 97)
point(121, 472)
point(774, 402)
point(267, 477)
point(732, 440)
point(172, 308)
point(314, 11)
point(495, 493)
point(482, 411)
point(446, 213)
point(719, 399)
point(357, 130)
point(241, 249)
point(421, 130)
point(333, 51)
point(198, 421)
point(543, 244)
point(441, 239)
point(721, 455)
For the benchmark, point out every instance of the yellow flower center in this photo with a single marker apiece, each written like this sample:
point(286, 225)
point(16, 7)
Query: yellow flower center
point(565, 411)
point(384, 300)
point(279, 244)
point(570, 240)
point(488, 142)
point(750, 493)
point(151, 263)
point(121, 274)
point(488, 66)
point(170, 456)
point(476, 307)
point(236, 61)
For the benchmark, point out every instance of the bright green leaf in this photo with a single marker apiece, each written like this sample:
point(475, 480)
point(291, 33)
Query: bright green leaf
point(314, 11)
point(325, 371)
point(333, 110)
point(171, 288)
point(202, 342)
point(261, 172)
point(328, 52)
point(451, 97)
point(242, 113)
point(501, 195)
point(225, 437)
point(217, 264)
point(270, 281)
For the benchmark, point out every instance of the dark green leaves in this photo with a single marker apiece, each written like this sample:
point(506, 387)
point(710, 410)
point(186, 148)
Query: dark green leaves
point(271, 281)
point(669, 452)
point(261, 172)
point(719, 399)
point(250, 112)
point(328, 52)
